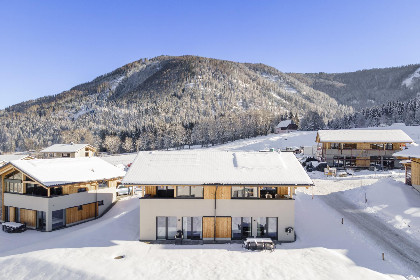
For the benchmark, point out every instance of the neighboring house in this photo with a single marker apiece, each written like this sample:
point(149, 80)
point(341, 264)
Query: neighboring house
point(285, 127)
point(47, 194)
point(361, 148)
point(68, 151)
point(213, 195)
point(4, 159)
point(411, 161)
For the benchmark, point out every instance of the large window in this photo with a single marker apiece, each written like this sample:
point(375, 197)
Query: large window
point(350, 161)
point(335, 145)
point(241, 227)
point(13, 182)
point(244, 192)
point(34, 189)
point(377, 146)
point(192, 227)
point(389, 146)
point(267, 227)
point(348, 146)
point(58, 219)
point(166, 227)
point(268, 192)
point(338, 161)
point(189, 191)
point(165, 191)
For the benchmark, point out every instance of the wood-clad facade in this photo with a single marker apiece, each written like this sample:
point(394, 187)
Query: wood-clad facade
point(26, 200)
point(360, 154)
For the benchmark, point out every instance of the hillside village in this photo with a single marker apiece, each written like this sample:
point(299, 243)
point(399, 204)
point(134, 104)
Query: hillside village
point(170, 202)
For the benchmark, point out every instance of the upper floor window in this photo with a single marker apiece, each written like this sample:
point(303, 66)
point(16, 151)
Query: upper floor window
point(377, 146)
point(389, 146)
point(349, 146)
point(335, 145)
point(189, 191)
point(244, 192)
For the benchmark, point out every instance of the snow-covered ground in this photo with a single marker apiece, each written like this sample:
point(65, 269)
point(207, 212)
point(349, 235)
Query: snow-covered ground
point(325, 248)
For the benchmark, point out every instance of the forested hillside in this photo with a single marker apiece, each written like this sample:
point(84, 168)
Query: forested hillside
point(407, 112)
point(175, 101)
point(165, 102)
point(367, 88)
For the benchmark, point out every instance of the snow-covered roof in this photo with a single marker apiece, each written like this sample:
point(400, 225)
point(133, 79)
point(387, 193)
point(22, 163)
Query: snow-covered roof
point(65, 148)
point(59, 171)
point(284, 123)
point(8, 158)
point(124, 159)
point(411, 152)
point(216, 167)
point(364, 136)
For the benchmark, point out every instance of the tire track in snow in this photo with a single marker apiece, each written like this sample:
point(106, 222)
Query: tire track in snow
point(383, 235)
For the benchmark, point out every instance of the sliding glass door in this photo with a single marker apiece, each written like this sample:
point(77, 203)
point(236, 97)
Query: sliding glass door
point(241, 227)
point(192, 228)
point(267, 227)
point(165, 228)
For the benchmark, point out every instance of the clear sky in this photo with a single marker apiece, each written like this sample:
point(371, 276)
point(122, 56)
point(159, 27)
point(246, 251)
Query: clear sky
point(47, 47)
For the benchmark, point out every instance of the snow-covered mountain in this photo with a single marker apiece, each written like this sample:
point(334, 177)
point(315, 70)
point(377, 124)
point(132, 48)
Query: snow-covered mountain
point(170, 101)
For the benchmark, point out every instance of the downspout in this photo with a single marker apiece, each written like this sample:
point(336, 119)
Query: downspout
point(215, 207)
point(96, 205)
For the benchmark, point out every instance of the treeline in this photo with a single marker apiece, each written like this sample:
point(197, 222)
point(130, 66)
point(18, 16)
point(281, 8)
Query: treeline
point(407, 112)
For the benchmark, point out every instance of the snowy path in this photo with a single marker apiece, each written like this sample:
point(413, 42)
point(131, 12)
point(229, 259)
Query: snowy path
point(385, 236)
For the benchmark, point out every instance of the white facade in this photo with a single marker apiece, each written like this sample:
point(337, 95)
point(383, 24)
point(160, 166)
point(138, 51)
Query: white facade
point(283, 209)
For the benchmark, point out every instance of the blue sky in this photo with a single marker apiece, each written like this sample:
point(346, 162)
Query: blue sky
point(47, 47)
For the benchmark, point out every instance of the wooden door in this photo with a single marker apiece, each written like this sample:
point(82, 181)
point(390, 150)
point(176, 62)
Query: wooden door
point(28, 217)
point(223, 227)
point(12, 214)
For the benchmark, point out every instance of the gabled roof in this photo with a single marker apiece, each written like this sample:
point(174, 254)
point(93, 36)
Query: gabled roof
point(60, 171)
point(363, 136)
point(411, 152)
point(216, 167)
point(284, 123)
point(65, 148)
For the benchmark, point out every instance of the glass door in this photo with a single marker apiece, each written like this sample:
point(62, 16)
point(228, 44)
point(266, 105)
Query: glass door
point(192, 228)
point(166, 227)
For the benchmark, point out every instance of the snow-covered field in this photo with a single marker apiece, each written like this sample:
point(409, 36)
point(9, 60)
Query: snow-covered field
point(325, 248)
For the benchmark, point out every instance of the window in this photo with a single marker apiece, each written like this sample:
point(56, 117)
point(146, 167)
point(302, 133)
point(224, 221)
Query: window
point(268, 192)
point(189, 191)
point(166, 227)
point(35, 189)
point(192, 228)
point(165, 191)
point(375, 161)
point(102, 185)
point(80, 207)
point(335, 145)
point(87, 154)
point(350, 161)
point(241, 227)
point(58, 218)
point(81, 190)
point(66, 155)
point(267, 227)
point(56, 191)
point(100, 202)
point(348, 146)
point(377, 146)
point(338, 161)
point(13, 182)
point(244, 192)
point(389, 146)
